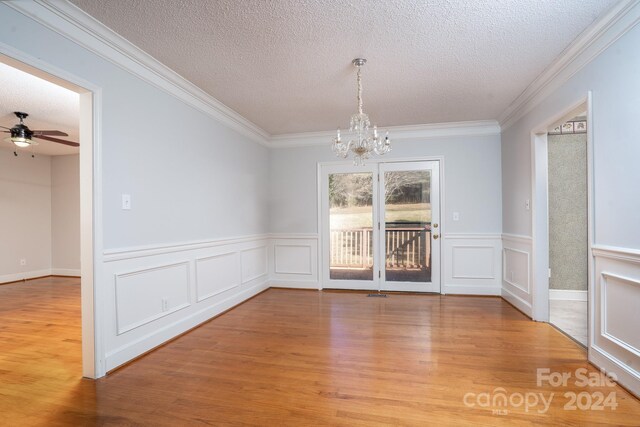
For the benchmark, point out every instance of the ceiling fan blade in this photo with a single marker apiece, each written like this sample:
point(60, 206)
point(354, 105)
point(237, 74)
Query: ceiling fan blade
point(58, 140)
point(4, 127)
point(49, 132)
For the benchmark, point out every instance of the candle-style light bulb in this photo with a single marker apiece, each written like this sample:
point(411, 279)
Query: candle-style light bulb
point(375, 131)
point(338, 135)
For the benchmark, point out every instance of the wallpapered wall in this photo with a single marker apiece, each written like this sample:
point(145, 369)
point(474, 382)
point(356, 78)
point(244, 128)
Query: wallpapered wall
point(568, 211)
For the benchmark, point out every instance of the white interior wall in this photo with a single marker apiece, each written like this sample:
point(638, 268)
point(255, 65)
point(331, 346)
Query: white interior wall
point(471, 187)
point(65, 215)
point(25, 215)
point(612, 78)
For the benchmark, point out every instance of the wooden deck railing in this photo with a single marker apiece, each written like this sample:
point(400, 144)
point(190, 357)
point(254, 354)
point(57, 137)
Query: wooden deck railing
point(406, 247)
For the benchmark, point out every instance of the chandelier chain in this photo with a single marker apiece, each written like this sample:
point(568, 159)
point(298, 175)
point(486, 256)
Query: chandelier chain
point(360, 108)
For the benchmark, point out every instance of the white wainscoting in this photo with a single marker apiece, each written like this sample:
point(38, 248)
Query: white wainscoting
point(616, 307)
point(471, 264)
point(516, 271)
point(159, 292)
point(293, 261)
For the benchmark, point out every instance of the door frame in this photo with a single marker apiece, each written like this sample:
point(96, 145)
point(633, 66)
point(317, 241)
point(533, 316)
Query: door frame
point(90, 164)
point(377, 160)
point(540, 213)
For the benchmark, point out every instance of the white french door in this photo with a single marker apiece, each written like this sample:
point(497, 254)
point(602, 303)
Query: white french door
point(380, 226)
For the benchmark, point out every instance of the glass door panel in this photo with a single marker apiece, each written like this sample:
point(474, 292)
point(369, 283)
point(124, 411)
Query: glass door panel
point(407, 226)
point(351, 226)
point(409, 207)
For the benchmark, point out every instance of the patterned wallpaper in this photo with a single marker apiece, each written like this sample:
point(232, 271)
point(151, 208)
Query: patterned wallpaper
point(568, 210)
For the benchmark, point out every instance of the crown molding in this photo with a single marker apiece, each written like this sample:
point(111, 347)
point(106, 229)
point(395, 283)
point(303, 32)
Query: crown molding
point(616, 22)
point(397, 133)
point(74, 24)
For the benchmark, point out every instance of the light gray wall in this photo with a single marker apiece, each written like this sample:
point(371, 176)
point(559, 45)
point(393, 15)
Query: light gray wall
point(190, 178)
point(472, 182)
point(65, 213)
point(613, 79)
point(25, 215)
point(568, 211)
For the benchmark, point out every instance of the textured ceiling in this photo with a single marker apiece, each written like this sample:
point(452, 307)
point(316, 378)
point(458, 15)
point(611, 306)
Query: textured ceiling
point(286, 64)
point(50, 107)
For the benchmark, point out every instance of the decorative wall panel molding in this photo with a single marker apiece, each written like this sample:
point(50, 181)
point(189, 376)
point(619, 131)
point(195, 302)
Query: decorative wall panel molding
point(147, 277)
point(217, 274)
point(516, 271)
point(471, 264)
point(294, 261)
point(145, 295)
point(253, 263)
point(614, 324)
point(619, 303)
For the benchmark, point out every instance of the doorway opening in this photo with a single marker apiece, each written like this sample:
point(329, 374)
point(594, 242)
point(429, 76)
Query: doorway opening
point(69, 176)
point(562, 222)
point(379, 226)
point(568, 225)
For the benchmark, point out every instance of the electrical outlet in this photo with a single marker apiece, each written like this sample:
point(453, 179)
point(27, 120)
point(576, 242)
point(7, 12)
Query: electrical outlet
point(165, 304)
point(23, 261)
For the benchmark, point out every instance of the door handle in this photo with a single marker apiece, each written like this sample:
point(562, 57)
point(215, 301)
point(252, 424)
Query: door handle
point(435, 237)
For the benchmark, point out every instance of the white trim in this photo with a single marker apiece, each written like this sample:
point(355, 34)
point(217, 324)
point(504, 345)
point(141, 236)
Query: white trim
point(617, 253)
point(627, 376)
point(567, 295)
point(517, 238)
point(471, 290)
point(65, 272)
point(617, 21)
point(76, 25)
point(294, 284)
point(397, 133)
point(112, 255)
point(26, 275)
point(287, 236)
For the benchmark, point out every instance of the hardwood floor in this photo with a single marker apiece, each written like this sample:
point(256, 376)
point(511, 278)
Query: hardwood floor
point(299, 358)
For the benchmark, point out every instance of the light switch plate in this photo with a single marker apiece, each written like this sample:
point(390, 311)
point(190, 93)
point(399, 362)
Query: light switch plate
point(456, 216)
point(126, 202)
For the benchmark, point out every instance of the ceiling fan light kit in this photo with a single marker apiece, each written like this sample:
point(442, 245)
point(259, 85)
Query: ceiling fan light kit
point(362, 140)
point(22, 136)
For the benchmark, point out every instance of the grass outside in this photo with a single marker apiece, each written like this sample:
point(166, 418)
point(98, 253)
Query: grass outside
point(361, 216)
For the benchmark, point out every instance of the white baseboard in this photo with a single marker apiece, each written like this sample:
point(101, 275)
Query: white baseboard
point(26, 275)
point(65, 272)
point(453, 289)
point(294, 284)
point(626, 376)
point(517, 302)
point(567, 295)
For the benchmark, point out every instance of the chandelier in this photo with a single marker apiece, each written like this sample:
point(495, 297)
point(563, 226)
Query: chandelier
point(362, 141)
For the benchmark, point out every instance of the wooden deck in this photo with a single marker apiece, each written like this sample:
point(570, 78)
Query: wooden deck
point(300, 358)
